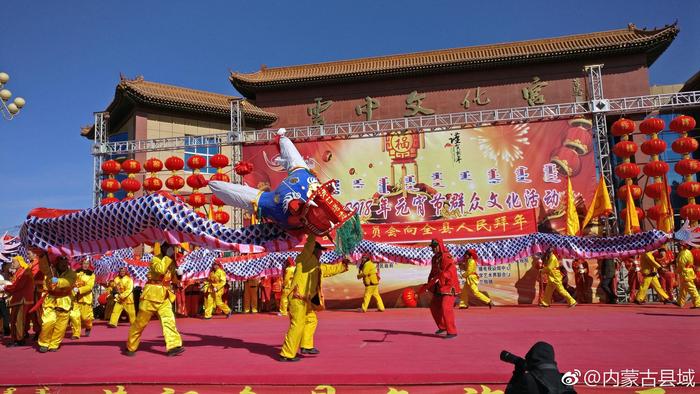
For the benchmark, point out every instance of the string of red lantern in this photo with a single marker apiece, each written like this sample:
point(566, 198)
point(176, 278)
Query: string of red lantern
point(687, 166)
point(131, 185)
point(153, 184)
point(655, 168)
point(197, 181)
point(219, 162)
point(109, 184)
point(626, 170)
point(174, 181)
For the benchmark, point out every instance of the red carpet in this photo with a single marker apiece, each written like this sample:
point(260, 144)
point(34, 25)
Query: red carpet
point(394, 348)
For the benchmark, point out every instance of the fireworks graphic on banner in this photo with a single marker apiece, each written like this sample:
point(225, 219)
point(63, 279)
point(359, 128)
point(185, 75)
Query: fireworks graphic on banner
point(503, 143)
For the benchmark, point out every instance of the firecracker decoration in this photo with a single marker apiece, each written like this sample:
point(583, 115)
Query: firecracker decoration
point(687, 166)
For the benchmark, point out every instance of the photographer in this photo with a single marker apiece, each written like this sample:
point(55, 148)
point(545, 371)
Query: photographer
point(537, 373)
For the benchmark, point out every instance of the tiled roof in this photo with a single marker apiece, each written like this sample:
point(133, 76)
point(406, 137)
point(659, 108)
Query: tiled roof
point(631, 39)
point(182, 99)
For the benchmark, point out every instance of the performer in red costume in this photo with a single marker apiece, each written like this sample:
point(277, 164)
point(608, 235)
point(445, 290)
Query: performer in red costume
point(667, 276)
point(444, 285)
point(634, 276)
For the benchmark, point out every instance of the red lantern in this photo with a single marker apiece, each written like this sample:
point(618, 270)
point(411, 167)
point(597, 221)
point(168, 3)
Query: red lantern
point(635, 190)
point(111, 167)
point(691, 212)
point(656, 168)
point(220, 177)
point(153, 165)
point(579, 139)
point(221, 217)
point(687, 167)
point(567, 160)
point(653, 146)
point(196, 162)
point(655, 190)
point(682, 124)
point(131, 185)
point(652, 125)
point(216, 201)
point(689, 189)
point(110, 185)
point(243, 168)
point(197, 199)
point(108, 200)
point(640, 213)
point(218, 161)
point(627, 170)
point(174, 163)
point(131, 166)
point(654, 212)
point(409, 298)
point(622, 127)
point(685, 145)
point(152, 184)
point(625, 149)
point(197, 181)
point(175, 182)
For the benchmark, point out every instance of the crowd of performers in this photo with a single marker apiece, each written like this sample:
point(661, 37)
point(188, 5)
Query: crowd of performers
point(48, 296)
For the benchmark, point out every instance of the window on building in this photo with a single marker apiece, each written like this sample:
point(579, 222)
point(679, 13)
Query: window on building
point(192, 149)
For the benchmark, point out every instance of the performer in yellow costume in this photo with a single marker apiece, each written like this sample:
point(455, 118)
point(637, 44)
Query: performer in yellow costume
point(58, 301)
point(685, 270)
point(649, 271)
point(306, 297)
point(287, 289)
point(157, 297)
point(81, 314)
point(250, 295)
point(554, 281)
point(123, 299)
point(370, 278)
point(214, 290)
point(471, 284)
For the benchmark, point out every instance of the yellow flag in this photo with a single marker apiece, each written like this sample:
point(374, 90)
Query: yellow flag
point(600, 206)
point(572, 224)
point(666, 221)
point(631, 219)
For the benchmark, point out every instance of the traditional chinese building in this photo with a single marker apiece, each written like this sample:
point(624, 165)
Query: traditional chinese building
point(509, 75)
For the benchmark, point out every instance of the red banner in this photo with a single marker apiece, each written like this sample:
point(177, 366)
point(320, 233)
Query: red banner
point(499, 225)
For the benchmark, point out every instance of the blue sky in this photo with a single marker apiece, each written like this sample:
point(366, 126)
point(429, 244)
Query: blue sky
point(64, 58)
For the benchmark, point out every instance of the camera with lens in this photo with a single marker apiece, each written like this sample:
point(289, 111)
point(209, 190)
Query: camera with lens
point(511, 358)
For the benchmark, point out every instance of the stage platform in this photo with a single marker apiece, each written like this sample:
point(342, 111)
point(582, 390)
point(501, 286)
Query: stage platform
point(371, 351)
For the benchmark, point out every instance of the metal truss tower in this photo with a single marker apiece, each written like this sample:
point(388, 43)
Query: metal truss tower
point(234, 139)
point(98, 152)
point(599, 107)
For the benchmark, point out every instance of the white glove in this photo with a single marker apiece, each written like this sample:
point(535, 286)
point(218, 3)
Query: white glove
point(179, 271)
point(281, 131)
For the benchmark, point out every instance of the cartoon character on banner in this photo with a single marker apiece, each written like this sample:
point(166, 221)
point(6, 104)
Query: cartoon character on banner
point(301, 203)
